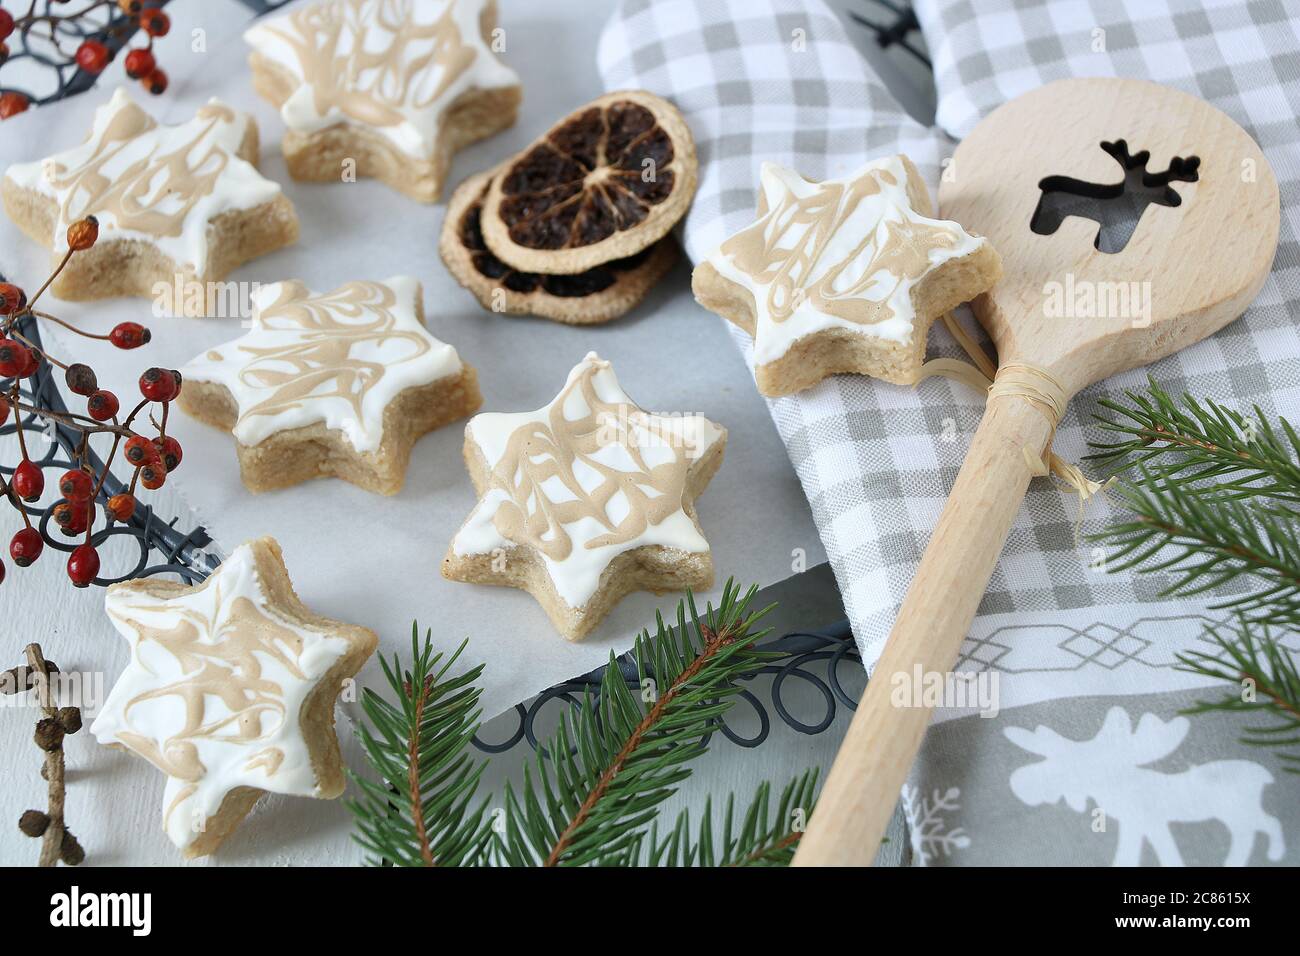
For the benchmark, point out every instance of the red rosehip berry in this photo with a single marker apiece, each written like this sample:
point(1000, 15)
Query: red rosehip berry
point(28, 481)
point(14, 358)
point(102, 405)
point(140, 63)
point(169, 450)
point(2, 572)
point(129, 335)
point(93, 56)
point(83, 565)
point(83, 233)
point(153, 475)
point(79, 518)
point(140, 450)
point(130, 7)
point(4, 408)
point(70, 517)
point(81, 379)
point(159, 385)
point(155, 82)
point(121, 506)
point(26, 547)
point(76, 485)
point(6, 24)
point(155, 23)
point(12, 298)
point(12, 103)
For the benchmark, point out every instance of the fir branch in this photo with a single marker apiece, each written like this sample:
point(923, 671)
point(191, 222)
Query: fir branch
point(591, 795)
point(596, 784)
point(1213, 499)
point(1245, 457)
point(1213, 504)
point(418, 813)
point(1267, 681)
point(762, 838)
point(1208, 543)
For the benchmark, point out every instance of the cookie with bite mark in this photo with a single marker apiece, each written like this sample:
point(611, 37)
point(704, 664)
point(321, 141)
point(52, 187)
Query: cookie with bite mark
point(845, 275)
point(389, 89)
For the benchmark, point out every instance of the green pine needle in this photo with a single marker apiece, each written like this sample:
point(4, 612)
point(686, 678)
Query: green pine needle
point(1267, 685)
point(1208, 543)
point(1202, 441)
point(758, 838)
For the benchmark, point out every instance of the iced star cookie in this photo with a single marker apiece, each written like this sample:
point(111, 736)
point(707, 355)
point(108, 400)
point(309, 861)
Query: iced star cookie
point(599, 294)
point(844, 275)
point(181, 201)
point(396, 86)
point(339, 384)
point(229, 691)
point(586, 500)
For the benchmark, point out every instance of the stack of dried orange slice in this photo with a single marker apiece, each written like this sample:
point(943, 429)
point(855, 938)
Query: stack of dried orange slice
point(576, 227)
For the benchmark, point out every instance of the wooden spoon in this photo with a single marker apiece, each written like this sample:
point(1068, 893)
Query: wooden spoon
point(1201, 262)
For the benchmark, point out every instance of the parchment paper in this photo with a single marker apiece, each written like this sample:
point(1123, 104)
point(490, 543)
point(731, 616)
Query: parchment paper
point(374, 560)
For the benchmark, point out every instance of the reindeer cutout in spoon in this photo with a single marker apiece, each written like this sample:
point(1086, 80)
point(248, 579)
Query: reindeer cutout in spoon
point(1199, 263)
point(1116, 207)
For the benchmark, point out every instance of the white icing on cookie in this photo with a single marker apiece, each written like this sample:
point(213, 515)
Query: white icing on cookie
point(157, 184)
point(844, 253)
point(339, 358)
point(585, 479)
point(391, 66)
point(214, 691)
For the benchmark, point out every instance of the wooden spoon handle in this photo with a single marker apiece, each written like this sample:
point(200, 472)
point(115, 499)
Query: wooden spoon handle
point(862, 788)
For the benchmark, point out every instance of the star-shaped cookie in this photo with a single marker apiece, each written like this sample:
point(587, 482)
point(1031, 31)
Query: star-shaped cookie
point(586, 500)
point(844, 275)
point(229, 691)
point(383, 88)
point(331, 385)
point(175, 204)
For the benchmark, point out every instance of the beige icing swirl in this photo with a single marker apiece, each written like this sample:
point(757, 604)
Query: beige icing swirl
point(153, 193)
point(221, 661)
point(319, 361)
point(538, 452)
point(338, 359)
point(787, 244)
point(371, 60)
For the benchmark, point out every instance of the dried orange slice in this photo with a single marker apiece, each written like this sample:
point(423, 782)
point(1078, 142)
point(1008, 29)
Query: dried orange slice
point(607, 181)
point(589, 297)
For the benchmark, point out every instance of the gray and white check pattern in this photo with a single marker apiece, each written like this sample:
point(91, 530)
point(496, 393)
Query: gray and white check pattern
point(779, 80)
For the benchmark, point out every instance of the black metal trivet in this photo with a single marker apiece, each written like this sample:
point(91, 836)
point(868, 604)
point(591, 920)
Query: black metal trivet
point(52, 46)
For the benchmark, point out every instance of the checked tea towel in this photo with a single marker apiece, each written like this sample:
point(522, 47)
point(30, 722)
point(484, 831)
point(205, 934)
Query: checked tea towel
point(1081, 756)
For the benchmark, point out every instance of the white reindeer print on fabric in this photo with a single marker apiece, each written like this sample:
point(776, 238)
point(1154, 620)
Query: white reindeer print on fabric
point(1110, 769)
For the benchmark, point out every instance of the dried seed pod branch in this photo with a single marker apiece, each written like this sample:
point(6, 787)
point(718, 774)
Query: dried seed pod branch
point(57, 841)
